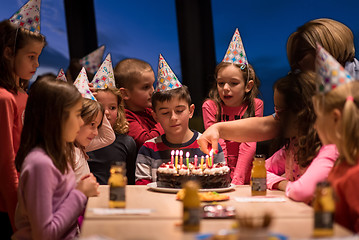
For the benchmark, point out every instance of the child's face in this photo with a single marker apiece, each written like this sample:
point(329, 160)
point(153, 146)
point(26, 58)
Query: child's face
point(89, 131)
point(139, 97)
point(26, 59)
point(231, 86)
point(173, 116)
point(109, 102)
point(73, 123)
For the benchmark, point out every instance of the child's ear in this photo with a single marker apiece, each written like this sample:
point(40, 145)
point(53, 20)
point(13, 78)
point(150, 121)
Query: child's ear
point(249, 86)
point(154, 115)
point(336, 115)
point(8, 53)
point(125, 93)
point(191, 110)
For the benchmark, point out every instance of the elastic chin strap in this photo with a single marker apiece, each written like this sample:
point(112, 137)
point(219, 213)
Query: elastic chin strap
point(17, 30)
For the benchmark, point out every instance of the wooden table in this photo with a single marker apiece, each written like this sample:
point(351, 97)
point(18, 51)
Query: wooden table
point(293, 219)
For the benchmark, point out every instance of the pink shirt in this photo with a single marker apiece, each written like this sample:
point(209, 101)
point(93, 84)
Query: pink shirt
point(12, 107)
point(239, 156)
point(302, 181)
point(49, 204)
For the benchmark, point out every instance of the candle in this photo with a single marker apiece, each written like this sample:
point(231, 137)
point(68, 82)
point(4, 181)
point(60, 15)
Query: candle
point(181, 158)
point(202, 160)
point(187, 158)
point(211, 158)
point(207, 159)
point(176, 159)
point(195, 160)
point(172, 156)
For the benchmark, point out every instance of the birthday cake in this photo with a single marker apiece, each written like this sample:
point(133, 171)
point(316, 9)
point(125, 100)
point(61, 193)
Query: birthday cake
point(209, 176)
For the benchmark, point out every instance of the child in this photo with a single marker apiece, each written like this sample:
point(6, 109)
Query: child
point(336, 106)
point(135, 80)
point(124, 147)
point(232, 98)
point(93, 134)
point(173, 109)
point(302, 162)
point(20, 48)
point(49, 199)
point(334, 36)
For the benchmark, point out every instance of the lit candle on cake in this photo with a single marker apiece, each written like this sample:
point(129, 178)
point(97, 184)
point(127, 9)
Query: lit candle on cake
point(176, 159)
point(211, 158)
point(181, 158)
point(207, 159)
point(202, 160)
point(195, 160)
point(172, 156)
point(187, 158)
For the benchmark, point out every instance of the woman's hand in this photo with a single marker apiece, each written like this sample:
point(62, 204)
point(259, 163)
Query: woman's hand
point(209, 139)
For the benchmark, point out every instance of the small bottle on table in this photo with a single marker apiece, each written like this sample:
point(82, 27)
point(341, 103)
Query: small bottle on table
point(118, 182)
point(191, 207)
point(259, 176)
point(324, 207)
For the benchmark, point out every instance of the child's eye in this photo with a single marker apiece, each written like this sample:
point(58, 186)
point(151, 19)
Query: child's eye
point(220, 84)
point(234, 83)
point(179, 111)
point(164, 113)
point(31, 57)
point(113, 108)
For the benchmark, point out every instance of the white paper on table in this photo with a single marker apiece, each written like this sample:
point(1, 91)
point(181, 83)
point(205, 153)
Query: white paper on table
point(260, 199)
point(121, 211)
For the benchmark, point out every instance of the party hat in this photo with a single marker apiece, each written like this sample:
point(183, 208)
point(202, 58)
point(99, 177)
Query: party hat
point(93, 60)
point(81, 83)
point(330, 74)
point(61, 75)
point(28, 16)
point(235, 52)
point(104, 76)
point(166, 79)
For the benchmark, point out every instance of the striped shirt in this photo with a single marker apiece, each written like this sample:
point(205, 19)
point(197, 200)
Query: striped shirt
point(157, 150)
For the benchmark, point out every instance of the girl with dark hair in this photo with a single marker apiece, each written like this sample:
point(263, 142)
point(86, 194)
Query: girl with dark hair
point(50, 201)
point(302, 162)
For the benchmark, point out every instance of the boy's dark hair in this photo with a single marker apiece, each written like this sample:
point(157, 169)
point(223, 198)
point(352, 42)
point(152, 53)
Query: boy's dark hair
point(165, 96)
point(13, 38)
point(128, 72)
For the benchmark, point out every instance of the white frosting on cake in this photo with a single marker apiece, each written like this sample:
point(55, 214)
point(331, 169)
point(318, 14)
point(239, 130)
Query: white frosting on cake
point(197, 172)
point(183, 171)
